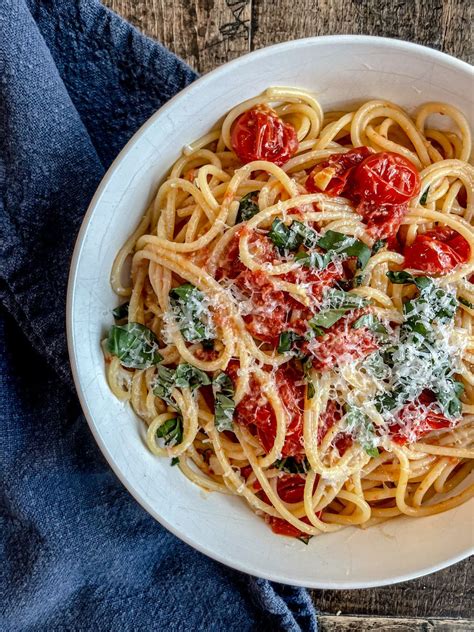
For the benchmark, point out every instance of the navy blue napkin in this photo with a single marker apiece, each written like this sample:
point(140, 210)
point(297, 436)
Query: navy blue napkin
point(78, 553)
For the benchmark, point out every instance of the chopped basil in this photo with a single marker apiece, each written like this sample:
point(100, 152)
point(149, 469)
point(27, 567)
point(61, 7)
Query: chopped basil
point(371, 322)
point(224, 404)
point(378, 245)
point(336, 303)
point(449, 397)
point(465, 302)
point(360, 425)
point(135, 345)
point(188, 376)
point(338, 243)
point(171, 431)
point(184, 376)
point(190, 308)
point(307, 366)
point(290, 238)
point(164, 384)
point(287, 341)
point(293, 465)
point(373, 452)
point(247, 207)
point(304, 538)
point(314, 259)
point(121, 312)
point(174, 460)
point(424, 197)
point(401, 277)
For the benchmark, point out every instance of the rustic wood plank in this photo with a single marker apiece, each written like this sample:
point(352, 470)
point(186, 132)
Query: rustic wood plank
point(205, 33)
point(330, 623)
point(441, 24)
point(448, 593)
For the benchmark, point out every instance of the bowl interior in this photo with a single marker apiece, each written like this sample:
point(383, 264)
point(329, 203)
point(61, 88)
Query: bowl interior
point(341, 70)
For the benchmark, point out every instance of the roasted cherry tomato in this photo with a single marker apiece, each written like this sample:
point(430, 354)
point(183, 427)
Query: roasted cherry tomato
point(256, 412)
point(414, 421)
point(383, 221)
point(386, 178)
point(336, 170)
point(341, 344)
point(290, 488)
point(260, 134)
point(437, 251)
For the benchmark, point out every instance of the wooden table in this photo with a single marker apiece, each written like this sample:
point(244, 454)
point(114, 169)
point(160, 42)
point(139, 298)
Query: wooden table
point(207, 33)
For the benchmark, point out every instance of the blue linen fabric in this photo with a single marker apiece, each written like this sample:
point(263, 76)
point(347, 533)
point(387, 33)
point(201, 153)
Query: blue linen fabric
point(78, 553)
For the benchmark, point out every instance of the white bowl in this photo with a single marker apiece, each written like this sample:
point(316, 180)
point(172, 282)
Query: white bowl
point(341, 70)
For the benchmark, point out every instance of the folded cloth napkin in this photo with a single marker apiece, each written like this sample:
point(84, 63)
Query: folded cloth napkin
point(78, 552)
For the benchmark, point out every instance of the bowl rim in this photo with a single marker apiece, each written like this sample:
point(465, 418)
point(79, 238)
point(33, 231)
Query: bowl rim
point(71, 341)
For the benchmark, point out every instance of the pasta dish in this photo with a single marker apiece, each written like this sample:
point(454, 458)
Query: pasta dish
point(297, 316)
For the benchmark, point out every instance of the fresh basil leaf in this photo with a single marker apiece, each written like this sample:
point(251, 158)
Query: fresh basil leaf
point(371, 322)
point(357, 280)
point(401, 277)
point(135, 345)
point(304, 538)
point(184, 376)
point(314, 259)
point(164, 384)
point(290, 238)
point(465, 302)
point(424, 197)
point(339, 243)
point(338, 304)
point(224, 405)
point(188, 376)
point(287, 341)
point(449, 398)
point(307, 366)
point(247, 207)
point(327, 318)
point(372, 451)
point(191, 313)
point(121, 312)
point(293, 465)
point(378, 245)
point(171, 431)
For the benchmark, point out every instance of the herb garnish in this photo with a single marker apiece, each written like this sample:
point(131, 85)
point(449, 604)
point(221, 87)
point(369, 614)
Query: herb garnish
point(247, 207)
point(135, 345)
point(224, 405)
point(190, 308)
point(171, 431)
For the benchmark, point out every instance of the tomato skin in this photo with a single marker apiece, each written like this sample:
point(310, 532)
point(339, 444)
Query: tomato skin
point(290, 488)
point(260, 134)
point(383, 221)
point(437, 251)
point(341, 342)
point(343, 166)
point(255, 411)
point(386, 178)
point(426, 422)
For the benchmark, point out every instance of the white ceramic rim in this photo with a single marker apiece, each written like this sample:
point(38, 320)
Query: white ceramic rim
point(198, 84)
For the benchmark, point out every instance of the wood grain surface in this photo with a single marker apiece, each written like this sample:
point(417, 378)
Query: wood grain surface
point(207, 33)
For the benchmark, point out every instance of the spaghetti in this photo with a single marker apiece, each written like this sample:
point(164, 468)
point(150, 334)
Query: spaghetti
point(299, 328)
